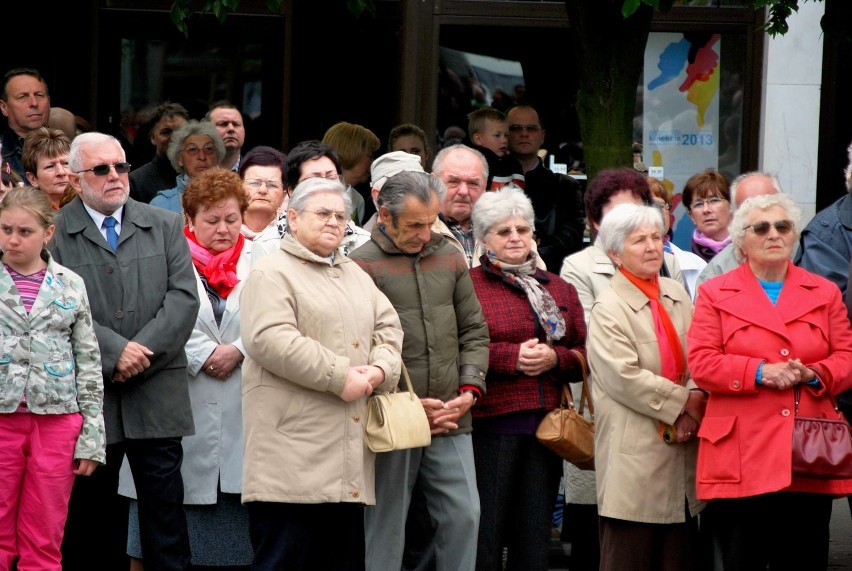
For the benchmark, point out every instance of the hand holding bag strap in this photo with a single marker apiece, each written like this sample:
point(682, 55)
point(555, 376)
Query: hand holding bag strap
point(587, 395)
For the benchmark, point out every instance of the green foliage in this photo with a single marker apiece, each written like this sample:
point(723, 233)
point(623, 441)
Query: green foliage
point(182, 10)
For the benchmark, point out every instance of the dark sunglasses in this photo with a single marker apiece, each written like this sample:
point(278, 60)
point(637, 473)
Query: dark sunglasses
point(762, 228)
point(103, 170)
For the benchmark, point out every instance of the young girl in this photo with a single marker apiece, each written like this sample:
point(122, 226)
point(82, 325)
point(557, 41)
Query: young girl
point(51, 388)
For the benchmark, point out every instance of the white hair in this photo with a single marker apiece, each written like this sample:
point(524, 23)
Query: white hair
point(762, 202)
point(622, 221)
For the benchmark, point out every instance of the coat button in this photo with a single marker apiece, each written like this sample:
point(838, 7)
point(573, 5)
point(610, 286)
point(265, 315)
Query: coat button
point(785, 352)
point(356, 494)
point(356, 343)
point(26, 333)
point(119, 314)
point(110, 269)
point(304, 261)
point(25, 363)
point(356, 418)
point(785, 412)
point(735, 384)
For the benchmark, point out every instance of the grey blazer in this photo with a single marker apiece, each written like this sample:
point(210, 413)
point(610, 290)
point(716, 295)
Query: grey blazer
point(143, 292)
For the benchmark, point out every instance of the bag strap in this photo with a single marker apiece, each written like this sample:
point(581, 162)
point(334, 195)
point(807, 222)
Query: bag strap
point(586, 397)
point(403, 371)
point(797, 395)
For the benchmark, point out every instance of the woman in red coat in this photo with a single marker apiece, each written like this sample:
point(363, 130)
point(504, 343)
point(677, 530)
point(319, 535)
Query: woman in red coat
point(534, 319)
point(759, 332)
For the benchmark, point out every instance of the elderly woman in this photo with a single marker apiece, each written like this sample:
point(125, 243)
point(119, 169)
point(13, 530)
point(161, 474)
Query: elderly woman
point(647, 412)
point(707, 198)
point(262, 171)
point(535, 320)
point(214, 203)
point(194, 148)
point(316, 350)
point(690, 264)
point(590, 271)
point(45, 160)
point(761, 333)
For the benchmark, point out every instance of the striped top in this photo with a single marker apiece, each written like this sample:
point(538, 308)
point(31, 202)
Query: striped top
point(28, 286)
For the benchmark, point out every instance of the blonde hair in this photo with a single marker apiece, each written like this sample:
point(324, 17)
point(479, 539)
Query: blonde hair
point(351, 142)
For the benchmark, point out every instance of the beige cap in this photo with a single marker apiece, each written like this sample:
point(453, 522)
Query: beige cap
point(392, 163)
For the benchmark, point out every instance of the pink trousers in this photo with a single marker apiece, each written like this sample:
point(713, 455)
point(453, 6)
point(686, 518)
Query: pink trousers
point(36, 476)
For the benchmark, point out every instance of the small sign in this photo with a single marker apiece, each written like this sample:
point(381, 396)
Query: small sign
point(656, 172)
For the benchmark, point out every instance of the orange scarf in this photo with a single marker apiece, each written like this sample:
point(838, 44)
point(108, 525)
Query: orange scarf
point(673, 363)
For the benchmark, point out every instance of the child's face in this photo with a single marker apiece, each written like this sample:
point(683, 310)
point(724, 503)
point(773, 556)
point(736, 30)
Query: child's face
point(22, 238)
point(494, 137)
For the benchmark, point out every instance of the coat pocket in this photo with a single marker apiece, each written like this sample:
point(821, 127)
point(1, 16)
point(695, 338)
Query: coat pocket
point(719, 450)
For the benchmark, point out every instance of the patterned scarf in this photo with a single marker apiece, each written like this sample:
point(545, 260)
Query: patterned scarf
point(705, 246)
point(542, 303)
point(673, 363)
point(220, 270)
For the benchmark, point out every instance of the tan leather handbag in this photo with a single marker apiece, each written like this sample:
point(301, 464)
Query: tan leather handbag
point(397, 420)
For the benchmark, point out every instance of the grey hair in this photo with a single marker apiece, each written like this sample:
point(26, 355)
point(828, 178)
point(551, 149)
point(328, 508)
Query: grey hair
point(736, 182)
point(438, 162)
point(75, 155)
point(622, 221)
point(189, 129)
point(762, 202)
point(306, 190)
point(400, 186)
point(494, 207)
point(848, 172)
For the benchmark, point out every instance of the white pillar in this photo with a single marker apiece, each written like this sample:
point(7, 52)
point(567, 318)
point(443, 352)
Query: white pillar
point(789, 122)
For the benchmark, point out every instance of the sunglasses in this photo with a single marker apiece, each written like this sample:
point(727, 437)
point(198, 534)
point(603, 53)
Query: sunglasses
point(103, 170)
point(762, 228)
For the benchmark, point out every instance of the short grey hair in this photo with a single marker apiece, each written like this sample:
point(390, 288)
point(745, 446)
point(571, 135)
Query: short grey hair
point(438, 162)
point(306, 190)
point(493, 208)
point(189, 129)
point(762, 202)
point(772, 178)
point(75, 155)
point(622, 221)
point(400, 186)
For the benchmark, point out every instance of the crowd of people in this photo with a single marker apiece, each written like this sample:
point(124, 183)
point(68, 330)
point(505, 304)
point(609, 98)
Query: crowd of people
point(189, 346)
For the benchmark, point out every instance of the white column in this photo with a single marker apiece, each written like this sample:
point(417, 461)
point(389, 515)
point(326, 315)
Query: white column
point(789, 122)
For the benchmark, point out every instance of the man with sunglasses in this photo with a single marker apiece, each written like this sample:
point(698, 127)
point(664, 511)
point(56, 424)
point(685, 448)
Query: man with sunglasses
point(136, 265)
point(557, 198)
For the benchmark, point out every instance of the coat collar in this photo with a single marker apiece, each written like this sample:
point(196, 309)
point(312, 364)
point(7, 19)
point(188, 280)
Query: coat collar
point(78, 220)
point(492, 272)
point(51, 291)
point(670, 289)
point(292, 246)
point(383, 241)
point(740, 294)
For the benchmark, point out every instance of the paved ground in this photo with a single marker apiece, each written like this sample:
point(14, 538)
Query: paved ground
point(839, 554)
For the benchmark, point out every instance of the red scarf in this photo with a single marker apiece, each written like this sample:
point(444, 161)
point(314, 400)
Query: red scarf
point(673, 364)
point(220, 270)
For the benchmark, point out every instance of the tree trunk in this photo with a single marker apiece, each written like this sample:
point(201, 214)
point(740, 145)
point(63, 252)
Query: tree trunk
point(610, 52)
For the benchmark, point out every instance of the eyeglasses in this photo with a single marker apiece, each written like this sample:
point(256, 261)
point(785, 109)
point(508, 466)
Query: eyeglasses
point(258, 182)
point(762, 228)
point(524, 128)
point(192, 150)
point(711, 202)
point(325, 215)
point(103, 170)
point(505, 232)
point(328, 176)
point(662, 206)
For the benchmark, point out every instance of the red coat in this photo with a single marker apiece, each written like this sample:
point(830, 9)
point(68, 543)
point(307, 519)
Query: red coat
point(746, 435)
point(511, 321)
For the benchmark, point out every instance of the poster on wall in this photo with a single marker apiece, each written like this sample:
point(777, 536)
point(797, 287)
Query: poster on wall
point(681, 114)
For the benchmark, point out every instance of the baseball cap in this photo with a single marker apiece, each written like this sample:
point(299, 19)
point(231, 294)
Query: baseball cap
point(390, 164)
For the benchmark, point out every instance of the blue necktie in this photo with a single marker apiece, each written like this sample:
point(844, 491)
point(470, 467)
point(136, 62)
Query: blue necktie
point(111, 234)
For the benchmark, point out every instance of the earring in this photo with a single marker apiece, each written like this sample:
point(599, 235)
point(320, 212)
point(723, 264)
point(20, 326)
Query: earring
point(192, 228)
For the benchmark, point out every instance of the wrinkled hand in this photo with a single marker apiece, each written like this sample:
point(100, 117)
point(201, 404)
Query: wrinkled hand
point(436, 412)
point(685, 428)
point(132, 361)
point(374, 374)
point(222, 361)
point(356, 385)
point(535, 358)
point(780, 376)
point(84, 467)
point(695, 406)
point(807, 375)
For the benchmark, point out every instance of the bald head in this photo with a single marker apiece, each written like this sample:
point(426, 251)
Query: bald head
point(752, 184)
point(63, 120)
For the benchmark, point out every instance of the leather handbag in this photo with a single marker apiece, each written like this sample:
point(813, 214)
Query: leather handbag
point(566, 431)
point(822, 447)
point(397, 420)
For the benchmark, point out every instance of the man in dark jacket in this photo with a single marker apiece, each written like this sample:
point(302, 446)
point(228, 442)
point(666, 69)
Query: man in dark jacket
point(446, 352)
point(557, 198)
point(158, 174)
point(138, 273)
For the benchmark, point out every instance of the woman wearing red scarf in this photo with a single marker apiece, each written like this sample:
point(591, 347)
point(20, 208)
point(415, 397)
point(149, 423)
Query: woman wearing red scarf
point(648, 411)
point(214, 203)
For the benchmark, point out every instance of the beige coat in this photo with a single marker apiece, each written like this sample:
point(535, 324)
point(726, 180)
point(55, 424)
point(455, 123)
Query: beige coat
point(639, 477)
point(304, 322)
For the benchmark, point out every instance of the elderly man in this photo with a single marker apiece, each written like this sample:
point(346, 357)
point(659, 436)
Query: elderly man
point(557, 198)
point(158, 174)
point(25, 102)
point(136, 265)
point(229, 122)
point(446, 351)
point(742, 188)
point(384, 167)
